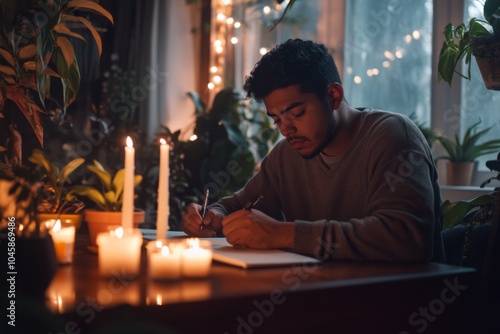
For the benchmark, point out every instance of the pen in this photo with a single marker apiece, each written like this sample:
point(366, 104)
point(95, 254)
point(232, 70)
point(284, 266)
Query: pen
point(204, 210)
point(251, 204)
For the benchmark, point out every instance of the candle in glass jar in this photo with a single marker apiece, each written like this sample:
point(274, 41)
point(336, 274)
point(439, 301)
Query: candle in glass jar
point(128, 186)
point(196, 258)
point(63, 238)
point(163, 262)
point(163, 195)
point(119, 252)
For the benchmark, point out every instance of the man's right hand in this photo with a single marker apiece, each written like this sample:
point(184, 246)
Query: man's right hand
point(193, 225)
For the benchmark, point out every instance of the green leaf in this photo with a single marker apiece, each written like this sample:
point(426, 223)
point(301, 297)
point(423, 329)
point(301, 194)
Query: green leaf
point(453, 213)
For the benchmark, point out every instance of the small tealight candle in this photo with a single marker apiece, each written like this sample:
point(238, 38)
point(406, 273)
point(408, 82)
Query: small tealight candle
point(164, 261)
point(119, 252)
point(64, 241)
point(196, 258)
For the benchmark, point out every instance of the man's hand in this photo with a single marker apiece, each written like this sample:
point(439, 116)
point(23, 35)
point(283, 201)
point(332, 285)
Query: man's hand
point(254, 229)
point(193, 225)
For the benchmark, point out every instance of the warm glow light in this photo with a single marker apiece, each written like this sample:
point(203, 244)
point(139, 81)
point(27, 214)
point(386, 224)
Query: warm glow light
point(386, 64)
point(193, 137)
point(230, 20)
point(158, 243)
point(369, 72)
point(159, 300)
point(416, 34)
point(226, 2)
point(357, 79)
point(375, 71)
point(399, 54)
point(57, 226)
point(219, 49)
point(119, 232)
point(389, 55)
point(262, 51)
point(213, 69)
point(237, 24)
point(221, 17)
point(349, 70)
point(194, 243)
point(234, 40)
point(408, 39)
point(165, 251)
point(218, 42)
point(211, 85)
point(130, 143)
point(266, 9)
point(163, 141)
point(217, 79)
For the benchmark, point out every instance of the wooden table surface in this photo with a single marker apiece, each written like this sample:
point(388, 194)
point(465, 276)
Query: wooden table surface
point(334, 297)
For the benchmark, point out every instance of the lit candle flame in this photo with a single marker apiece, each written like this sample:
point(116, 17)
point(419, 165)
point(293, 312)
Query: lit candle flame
point(130, 143)
point(119, 232)
point(164, 251)
point(158, 244)
point(159, 300)
point(57, 226)
point(163, 141)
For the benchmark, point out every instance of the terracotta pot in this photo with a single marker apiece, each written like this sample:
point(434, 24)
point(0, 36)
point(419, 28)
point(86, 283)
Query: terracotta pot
point(488, 61)
point(100, 221)
point(459, 173)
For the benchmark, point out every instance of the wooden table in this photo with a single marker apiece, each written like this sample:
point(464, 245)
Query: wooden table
point(335, 297)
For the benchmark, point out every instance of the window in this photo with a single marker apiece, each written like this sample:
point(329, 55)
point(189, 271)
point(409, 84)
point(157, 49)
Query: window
point(388, 49)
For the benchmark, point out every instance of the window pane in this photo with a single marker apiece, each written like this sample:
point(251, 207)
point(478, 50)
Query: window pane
point(388, 49)
point(477, 102)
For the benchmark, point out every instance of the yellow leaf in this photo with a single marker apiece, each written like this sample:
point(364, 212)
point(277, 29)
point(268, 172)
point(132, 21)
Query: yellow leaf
point(67, 49)
point(61, 28)
point(28, 51)
point(7, 56)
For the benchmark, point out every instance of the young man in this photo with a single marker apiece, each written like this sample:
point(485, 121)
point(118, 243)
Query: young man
point(346, 183)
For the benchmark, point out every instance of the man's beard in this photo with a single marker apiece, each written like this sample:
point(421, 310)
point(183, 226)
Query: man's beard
point(328, 140)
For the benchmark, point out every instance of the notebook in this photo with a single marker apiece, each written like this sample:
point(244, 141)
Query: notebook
point(245, 258)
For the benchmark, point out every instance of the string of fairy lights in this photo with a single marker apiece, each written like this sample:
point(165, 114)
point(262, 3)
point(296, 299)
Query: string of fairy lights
point(227, 35)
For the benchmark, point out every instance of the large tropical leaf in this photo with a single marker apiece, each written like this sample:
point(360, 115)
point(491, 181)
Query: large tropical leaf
point(69, 168)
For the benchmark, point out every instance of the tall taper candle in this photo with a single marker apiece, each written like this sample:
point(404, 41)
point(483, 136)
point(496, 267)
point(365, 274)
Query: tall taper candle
point(128, 186)
point(163, 198)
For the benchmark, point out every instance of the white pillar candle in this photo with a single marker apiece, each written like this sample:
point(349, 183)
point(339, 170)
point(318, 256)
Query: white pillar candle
point(64, 241)
point(163, 262)
point(119, 252)
point(163, 195)
point(196, 258)
point(128, 186)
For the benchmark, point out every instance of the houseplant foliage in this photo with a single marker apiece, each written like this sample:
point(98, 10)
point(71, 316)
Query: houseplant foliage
point(468, 149)
point(477, 37)
point(109, 197)
point(54, 196)
point(38, 69)
point(230, 133)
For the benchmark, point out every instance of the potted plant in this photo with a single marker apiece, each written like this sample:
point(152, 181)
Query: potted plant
point(39, 73)
point(55, 200)
point(462, 153)
point(108, 199)
point(479, 38)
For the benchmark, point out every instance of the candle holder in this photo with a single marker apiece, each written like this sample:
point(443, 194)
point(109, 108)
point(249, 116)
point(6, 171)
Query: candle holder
point(196, 258)
point(119, 252)
point(63, 237)
point(164, 259)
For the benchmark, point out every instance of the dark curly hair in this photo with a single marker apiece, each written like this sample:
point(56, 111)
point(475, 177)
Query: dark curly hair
point(295, 62)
